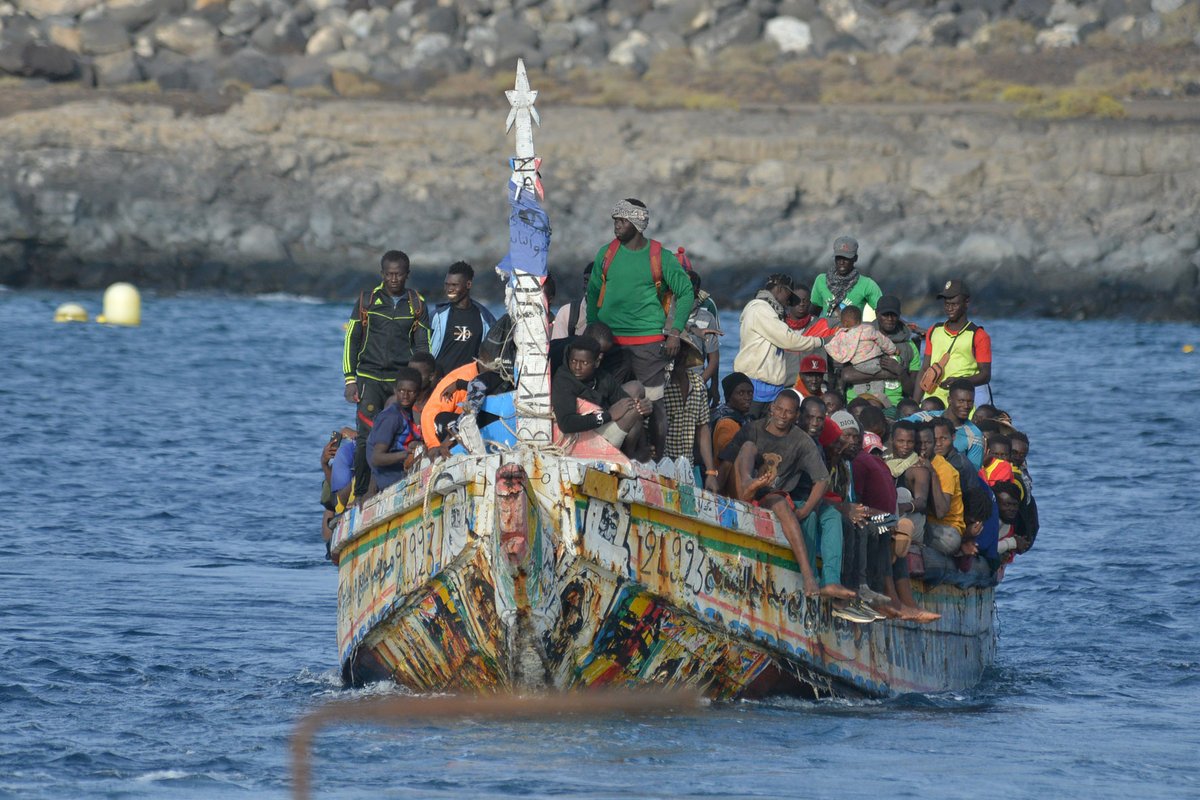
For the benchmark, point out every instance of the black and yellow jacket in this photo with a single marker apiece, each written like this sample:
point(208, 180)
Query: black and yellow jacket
point(384, 338)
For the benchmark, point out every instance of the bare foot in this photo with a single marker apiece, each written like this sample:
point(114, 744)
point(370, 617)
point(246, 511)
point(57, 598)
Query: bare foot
point(752, 488)
point(914, 614)
point(887, 611)
point(837, 591)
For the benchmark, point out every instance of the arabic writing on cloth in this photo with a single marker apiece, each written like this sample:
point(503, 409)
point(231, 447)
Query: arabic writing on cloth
point(528, 233)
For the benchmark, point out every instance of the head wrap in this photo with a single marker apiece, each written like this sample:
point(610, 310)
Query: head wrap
point(637, 216)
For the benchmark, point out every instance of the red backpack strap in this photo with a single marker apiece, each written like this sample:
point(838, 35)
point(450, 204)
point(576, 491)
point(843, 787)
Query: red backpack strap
point(665, 296)
point(609, 255)
point(656, 265)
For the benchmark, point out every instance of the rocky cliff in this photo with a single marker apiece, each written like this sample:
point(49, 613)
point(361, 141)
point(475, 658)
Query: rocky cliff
point(349, 46)
point(281, 193)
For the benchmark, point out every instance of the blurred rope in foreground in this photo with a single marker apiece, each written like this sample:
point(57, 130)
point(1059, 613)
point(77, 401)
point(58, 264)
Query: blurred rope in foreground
point(401, 710)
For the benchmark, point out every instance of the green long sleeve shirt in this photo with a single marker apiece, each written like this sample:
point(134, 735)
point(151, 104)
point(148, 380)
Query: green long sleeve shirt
point(631, 304)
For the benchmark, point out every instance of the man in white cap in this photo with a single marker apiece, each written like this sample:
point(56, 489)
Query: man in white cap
point(633, 284)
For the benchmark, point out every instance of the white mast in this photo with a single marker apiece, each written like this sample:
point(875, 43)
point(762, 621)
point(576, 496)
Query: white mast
point(529, 240)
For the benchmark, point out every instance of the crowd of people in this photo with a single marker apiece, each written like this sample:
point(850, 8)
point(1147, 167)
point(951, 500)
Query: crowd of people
point(876, 445)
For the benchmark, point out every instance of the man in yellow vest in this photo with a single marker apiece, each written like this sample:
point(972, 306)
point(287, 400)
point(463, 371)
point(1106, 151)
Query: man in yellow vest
point(962, 348)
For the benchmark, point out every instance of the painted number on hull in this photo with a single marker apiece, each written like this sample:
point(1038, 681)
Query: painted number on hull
point(668, 554)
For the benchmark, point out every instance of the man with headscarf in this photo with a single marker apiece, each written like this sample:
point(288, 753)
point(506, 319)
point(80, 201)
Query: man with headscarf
point(842, 285)
point(766, 337)
point(628, 291)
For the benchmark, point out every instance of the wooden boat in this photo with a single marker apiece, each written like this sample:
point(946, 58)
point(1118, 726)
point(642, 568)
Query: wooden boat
point(525, 571)
point(537, 565)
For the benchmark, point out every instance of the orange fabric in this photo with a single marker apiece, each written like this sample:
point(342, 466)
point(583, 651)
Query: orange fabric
point(723, 433)
point(436, 405)
point(995, 471)
point(821, 328)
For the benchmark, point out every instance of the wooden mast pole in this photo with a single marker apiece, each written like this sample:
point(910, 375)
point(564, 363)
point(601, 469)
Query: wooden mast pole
point(529, 241)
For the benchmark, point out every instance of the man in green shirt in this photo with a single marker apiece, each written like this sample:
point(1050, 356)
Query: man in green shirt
point(841, 285)
point(630, 281)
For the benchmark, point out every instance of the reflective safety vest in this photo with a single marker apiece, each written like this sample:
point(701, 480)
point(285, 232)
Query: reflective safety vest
point(961, 347)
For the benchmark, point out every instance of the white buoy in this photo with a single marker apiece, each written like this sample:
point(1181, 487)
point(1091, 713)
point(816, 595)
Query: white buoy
point(122, 305)
point(70, 312)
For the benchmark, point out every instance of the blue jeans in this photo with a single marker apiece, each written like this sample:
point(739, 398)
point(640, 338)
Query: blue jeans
point(944, 569)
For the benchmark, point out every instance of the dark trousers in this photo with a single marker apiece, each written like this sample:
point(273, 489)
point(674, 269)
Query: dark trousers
point(866, 556)
point(372, 396)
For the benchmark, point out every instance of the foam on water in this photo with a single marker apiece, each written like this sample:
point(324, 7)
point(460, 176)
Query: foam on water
point(168, 614)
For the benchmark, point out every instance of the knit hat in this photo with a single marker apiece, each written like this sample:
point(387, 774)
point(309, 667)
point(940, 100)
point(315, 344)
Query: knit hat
point(845, 420)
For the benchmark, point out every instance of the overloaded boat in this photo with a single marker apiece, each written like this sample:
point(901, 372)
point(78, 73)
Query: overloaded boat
point(538, 562)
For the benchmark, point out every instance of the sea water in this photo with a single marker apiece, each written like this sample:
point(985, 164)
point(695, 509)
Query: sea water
point(167, 613)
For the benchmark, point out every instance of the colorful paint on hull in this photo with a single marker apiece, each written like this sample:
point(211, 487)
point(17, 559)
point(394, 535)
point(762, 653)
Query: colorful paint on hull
point(622, 577)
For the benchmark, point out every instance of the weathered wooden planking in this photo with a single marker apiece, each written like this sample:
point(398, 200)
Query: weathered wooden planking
point(719, 559)
point(630, 578)
point(446, 636)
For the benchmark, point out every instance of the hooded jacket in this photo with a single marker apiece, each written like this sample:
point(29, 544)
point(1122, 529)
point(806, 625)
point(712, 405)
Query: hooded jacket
point(764, 339)
point(437, 324)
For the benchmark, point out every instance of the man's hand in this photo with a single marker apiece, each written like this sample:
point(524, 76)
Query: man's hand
point(621, 407)
point(857, 513)
point(329, 451)
point(969, 549)
point(761, 482)
point(1023, 544)
point(711, 485)
point(671, 344)
point(351, 392)
point(448, 393)
point(643, 406)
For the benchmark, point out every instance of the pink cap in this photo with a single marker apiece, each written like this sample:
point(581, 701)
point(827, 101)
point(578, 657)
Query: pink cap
point(872, 442)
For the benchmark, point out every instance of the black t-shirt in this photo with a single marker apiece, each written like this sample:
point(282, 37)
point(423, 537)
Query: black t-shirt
point(464, 332)
point(789, 456)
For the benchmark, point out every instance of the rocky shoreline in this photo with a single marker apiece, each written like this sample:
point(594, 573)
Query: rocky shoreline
point(278, 193)
point(353, 46)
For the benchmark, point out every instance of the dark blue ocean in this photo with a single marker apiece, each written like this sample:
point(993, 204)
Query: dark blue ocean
point(166, 612)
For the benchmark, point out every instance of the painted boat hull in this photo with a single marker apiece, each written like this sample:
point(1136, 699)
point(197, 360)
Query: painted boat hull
point(528, 571)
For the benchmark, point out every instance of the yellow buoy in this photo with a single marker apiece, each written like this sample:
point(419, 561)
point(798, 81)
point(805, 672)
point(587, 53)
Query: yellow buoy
point(70, 312)
point(1189, 348)
point(122, 305)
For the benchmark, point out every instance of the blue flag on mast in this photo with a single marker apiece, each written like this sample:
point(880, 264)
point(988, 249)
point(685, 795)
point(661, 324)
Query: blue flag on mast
point(528, 233)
